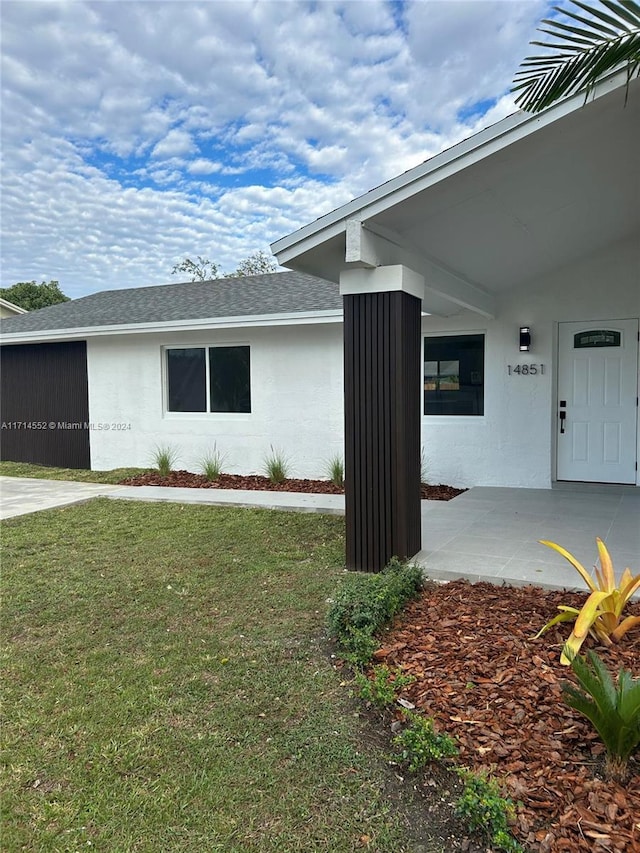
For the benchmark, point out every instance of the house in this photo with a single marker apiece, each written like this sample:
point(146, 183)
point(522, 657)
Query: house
point(483, 306)
point(522, 244)
point(243, 363)
point(8, 309)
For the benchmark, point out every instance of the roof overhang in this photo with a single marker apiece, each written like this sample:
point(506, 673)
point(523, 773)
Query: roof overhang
point(528, 195)
point(297, 318)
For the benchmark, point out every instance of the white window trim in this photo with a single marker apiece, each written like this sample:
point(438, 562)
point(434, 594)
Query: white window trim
point(208, 415)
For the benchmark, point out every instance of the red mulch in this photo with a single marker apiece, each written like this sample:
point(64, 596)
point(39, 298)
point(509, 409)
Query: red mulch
point(185, 479)
point(485, 680)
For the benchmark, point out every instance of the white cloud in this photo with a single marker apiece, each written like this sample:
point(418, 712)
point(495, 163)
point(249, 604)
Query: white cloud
point(137, 133)
point(201, 166)
point(176, 142)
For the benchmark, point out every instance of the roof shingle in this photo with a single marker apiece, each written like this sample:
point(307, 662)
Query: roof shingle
point(256, 295)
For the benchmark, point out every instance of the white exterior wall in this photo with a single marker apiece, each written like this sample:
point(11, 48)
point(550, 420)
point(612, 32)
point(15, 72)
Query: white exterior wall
point(513, 444)
point(296, 401)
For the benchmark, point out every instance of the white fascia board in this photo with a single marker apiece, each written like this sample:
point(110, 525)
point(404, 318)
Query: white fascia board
point(439, 167)
point(11, 306)
point(305, 318)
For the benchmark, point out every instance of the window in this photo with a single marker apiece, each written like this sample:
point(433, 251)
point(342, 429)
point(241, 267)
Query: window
point(187, 379)
point(208, 379)
point(454, 375)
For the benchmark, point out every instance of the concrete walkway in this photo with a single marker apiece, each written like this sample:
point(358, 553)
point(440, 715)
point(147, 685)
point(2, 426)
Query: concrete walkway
point(484, 534)
point(291, 501)
point(22, 495)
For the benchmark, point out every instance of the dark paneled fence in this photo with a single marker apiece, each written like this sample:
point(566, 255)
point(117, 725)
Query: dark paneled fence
point(44, 404)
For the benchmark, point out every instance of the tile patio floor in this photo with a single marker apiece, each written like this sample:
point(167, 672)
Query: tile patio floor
point(492, 533)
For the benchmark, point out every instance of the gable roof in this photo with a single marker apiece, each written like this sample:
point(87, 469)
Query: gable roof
point(143, 308)
point(437, 168)
point(529, 195)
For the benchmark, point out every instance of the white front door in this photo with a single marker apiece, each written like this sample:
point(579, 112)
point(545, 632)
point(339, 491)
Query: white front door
point(597, 401)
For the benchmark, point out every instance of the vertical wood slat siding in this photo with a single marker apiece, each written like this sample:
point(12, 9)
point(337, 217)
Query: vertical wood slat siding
point(382, 428)
point(45, 383)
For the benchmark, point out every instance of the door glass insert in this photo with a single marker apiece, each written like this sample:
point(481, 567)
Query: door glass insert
point(596, 338)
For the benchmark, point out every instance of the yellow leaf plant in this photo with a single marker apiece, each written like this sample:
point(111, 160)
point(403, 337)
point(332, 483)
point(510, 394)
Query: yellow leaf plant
point(601, 613)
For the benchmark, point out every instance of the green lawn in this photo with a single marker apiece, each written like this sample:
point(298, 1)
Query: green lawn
point(168, 687)
point(45, 472)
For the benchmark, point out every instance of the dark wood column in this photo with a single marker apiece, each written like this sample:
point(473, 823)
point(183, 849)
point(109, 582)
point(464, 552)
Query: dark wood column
point(382, 427)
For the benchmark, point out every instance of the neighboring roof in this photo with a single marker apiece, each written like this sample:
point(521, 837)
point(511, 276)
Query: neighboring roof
point(274, 294)
point(10, 306)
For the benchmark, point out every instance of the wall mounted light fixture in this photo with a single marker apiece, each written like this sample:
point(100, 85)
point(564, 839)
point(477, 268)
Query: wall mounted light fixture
point(525, 338)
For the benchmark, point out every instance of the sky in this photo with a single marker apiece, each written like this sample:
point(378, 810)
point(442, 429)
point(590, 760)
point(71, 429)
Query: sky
point(135, 134)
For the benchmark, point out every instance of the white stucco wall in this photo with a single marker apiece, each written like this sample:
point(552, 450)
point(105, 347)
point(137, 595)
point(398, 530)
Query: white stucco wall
point(296, 401)
point(513, 444)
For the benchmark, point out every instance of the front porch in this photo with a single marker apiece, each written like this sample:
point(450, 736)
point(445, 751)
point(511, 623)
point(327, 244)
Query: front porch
point(491, 534)
point(530, 224)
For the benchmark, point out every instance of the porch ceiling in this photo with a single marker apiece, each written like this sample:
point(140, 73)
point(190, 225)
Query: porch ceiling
point(527, 201)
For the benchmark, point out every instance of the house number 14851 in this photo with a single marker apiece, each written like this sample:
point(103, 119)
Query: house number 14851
point(525, 369)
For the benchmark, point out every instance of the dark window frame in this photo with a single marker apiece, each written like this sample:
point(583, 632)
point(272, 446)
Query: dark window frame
point(454, 371)
point(228, 396)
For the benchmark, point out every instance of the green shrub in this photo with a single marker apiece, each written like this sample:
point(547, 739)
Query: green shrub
point(358, 645)
point(366, 602)
point(164, 459)
point(613, 710)
point(420, 743)
point(335, 470)
point(211, 463)
point(485, 810)
point(276, 466)
point(382, 686)
point(361, 603)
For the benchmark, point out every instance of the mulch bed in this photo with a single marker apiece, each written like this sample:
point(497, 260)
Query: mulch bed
point(483, 678)
point(185, 479)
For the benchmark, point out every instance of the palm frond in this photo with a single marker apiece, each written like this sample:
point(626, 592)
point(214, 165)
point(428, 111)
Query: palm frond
point(626, 9)
point(610, 39)
point(616, 6)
